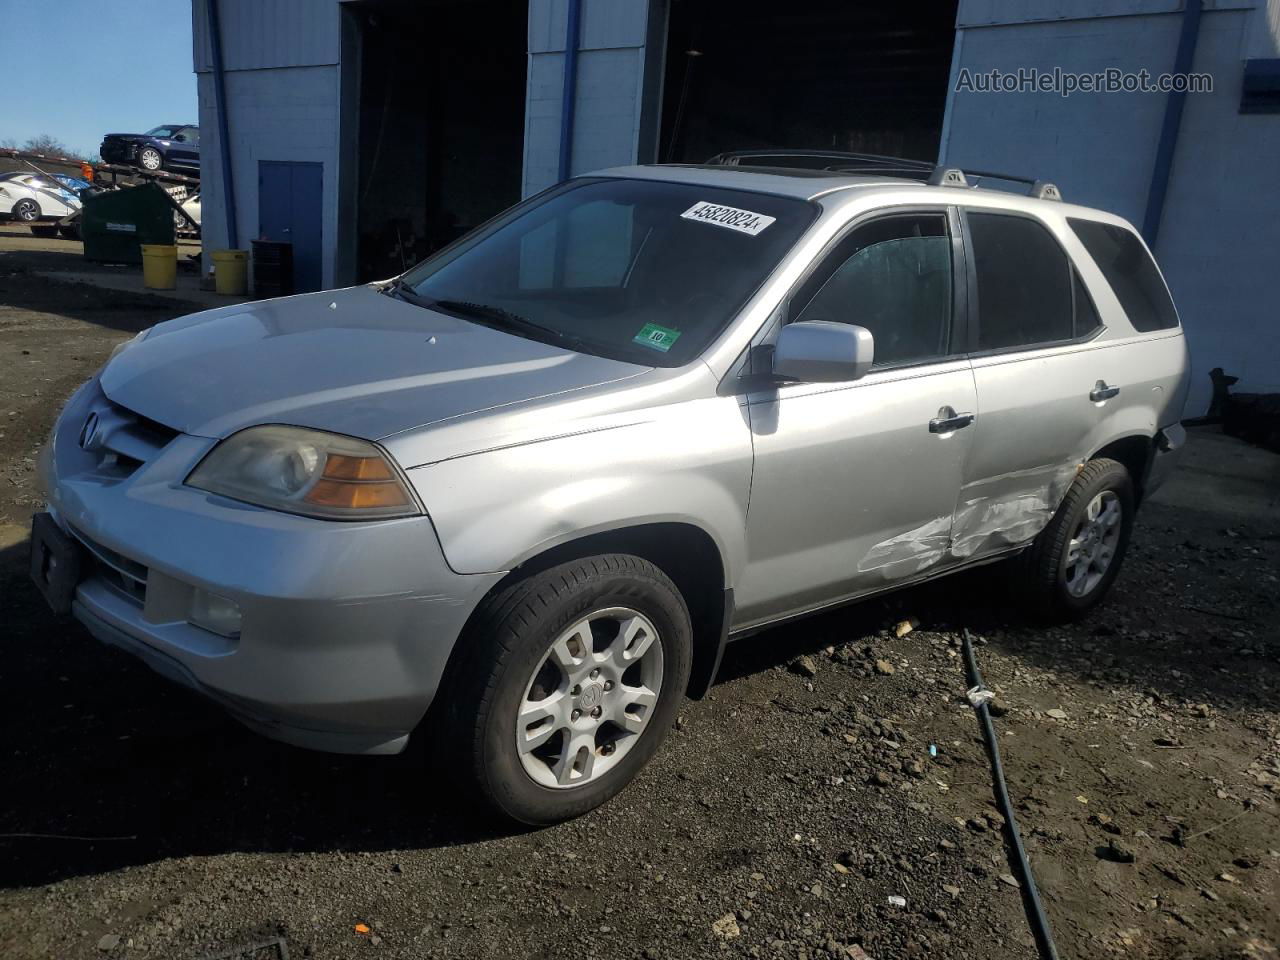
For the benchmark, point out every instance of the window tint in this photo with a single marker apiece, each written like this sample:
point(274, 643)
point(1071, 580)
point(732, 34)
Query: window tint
point(1024, 283)
point(893, 277)
point(1086, 314)
point(1130, 271)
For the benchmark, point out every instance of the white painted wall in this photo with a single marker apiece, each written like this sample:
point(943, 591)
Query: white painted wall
point(1220, 234)
point(609, 124)
point(282, 86)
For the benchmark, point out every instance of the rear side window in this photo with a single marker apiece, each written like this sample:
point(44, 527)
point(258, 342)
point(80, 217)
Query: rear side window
point(1024, 283)
point(1130, 271)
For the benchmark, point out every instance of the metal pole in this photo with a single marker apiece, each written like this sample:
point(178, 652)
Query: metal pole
point(568, 97)
point(1183, 60)
point(224, 144)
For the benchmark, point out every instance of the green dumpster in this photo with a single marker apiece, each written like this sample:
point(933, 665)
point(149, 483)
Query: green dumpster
point(115, 224)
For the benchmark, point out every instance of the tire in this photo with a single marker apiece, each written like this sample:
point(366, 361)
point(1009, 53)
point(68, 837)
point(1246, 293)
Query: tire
point(149, 158)
point(1071, 565)
point(523, 647)
point(26, 210)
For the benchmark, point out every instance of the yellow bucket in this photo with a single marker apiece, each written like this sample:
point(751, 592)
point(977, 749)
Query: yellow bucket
point(159, 266)
point(231, 272)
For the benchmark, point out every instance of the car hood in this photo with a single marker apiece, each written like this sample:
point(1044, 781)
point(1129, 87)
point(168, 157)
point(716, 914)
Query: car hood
point(350, 361)
point(125, 136)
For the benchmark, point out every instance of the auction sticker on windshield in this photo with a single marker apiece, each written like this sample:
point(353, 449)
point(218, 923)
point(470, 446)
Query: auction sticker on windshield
point(659, 338)
point(744, 221)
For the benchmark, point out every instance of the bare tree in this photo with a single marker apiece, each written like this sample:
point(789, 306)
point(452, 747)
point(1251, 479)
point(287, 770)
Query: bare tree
point(50, 146)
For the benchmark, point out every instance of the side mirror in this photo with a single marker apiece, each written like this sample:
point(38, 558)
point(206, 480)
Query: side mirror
point(819, 351)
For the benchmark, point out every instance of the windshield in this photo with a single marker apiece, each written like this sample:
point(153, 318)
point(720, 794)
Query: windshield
point(163, 133)
point(636, 270)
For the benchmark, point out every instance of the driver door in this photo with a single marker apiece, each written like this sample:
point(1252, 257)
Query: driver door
point(855, 484)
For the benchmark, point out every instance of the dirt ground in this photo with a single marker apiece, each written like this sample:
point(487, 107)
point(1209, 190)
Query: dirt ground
point(1142, 749)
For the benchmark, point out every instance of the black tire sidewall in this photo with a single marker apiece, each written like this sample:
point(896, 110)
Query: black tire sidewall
point(503, 778)
point(1114, 478)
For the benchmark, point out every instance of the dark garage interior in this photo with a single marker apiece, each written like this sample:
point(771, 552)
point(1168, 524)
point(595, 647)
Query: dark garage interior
point(819, 74)
point(441, 124)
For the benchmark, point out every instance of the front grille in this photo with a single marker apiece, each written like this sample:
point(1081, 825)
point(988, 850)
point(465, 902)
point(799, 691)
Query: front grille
point(123, 440)
point(127, 577)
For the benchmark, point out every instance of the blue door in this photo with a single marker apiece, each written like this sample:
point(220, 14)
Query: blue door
point(289, 199)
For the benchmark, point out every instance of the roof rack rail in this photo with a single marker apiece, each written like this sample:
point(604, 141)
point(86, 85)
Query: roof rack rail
point(838, 161)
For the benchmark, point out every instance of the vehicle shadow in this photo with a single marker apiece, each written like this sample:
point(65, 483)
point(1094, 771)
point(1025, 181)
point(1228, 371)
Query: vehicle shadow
point(123, 310)
point(107, 765)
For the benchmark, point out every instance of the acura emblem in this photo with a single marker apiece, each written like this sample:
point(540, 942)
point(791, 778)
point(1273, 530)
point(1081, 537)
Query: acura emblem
point(89, 438)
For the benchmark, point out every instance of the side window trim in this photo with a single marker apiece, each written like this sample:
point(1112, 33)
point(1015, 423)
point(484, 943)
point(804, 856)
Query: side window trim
point(974, 311)
point(958, 321)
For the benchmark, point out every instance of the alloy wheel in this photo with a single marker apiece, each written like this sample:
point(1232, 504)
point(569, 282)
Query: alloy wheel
point(26, 210)
point(590, 698)
point(150, 158)
point(1093, 544)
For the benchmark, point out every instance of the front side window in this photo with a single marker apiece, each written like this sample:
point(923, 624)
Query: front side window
point(1130, 271)
point(1024, 283)
point(162, 133)
point(893, 277)
point(637, 270)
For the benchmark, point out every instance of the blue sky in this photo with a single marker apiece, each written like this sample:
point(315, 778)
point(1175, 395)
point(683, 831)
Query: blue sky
point(122, 66)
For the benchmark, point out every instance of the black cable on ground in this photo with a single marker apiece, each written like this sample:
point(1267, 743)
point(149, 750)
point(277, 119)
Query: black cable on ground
point(979, 695)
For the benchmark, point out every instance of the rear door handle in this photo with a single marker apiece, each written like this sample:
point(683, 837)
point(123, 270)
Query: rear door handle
point(1102, 392)
point(948, 420)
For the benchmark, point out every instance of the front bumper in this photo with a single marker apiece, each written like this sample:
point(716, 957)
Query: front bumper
point(346, 627)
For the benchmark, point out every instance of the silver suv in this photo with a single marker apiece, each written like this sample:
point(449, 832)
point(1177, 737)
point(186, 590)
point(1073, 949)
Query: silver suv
point(519, 498)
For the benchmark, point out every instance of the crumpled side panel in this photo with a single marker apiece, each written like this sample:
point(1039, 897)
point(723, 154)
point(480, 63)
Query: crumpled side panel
point(992, 515)
point(1007, 510)
point(910, 552)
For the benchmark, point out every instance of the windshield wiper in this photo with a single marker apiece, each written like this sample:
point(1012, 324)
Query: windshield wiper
point(402, 291)
point(504, 318)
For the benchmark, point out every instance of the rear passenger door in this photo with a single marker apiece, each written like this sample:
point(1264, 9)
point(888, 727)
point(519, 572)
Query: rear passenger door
point(1042, 380)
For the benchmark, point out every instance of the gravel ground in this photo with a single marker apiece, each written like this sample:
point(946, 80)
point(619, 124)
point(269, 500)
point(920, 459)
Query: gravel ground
point(780, 818)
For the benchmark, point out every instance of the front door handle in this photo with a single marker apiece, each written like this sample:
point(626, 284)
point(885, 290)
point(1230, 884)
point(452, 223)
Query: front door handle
point(1102, 392)
point(948, 420)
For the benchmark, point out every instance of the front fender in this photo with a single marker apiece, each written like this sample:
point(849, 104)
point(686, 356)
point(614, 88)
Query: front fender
point(690, 463)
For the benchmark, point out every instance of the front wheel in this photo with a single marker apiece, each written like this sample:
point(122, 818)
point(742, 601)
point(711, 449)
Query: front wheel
point(572, 679)
point(1071, 565)
point(26, 210)
point(149, 158)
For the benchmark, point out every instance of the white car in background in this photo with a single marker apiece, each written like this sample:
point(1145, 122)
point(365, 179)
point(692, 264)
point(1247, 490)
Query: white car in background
point(32, 197)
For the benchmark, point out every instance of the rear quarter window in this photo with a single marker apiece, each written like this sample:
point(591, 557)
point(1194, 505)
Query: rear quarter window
point(1130, 271)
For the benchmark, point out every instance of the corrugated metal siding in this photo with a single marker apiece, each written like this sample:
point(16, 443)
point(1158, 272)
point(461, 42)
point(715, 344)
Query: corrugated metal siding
point(262, 34)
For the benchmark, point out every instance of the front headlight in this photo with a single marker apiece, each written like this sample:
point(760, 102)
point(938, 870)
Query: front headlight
point(310, 472)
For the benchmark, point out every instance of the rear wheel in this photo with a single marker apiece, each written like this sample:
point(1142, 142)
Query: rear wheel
point(1072, 563)
point(149, 158)
point(26, 210)
point(572, 679)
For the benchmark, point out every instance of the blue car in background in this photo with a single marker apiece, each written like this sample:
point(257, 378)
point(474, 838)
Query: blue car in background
point(170, 146)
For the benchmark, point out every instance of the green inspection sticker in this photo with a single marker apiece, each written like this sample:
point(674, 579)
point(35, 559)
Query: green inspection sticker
point(659, 338)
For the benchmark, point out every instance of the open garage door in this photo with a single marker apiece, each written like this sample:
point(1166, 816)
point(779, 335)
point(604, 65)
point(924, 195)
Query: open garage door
point(831, 74)
point(441, 123)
